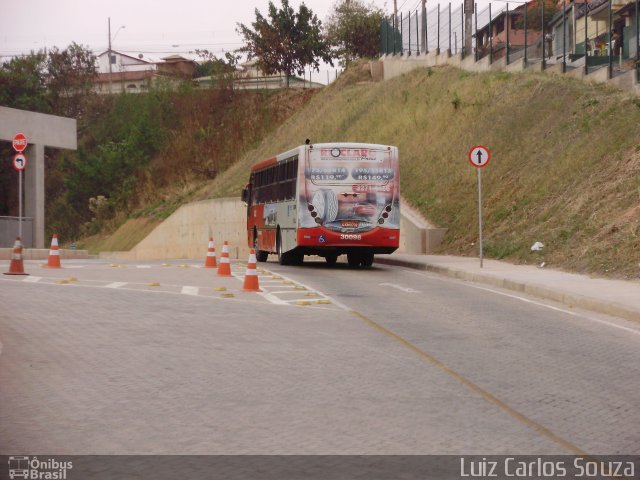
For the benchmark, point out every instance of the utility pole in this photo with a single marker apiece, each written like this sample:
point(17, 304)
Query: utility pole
point(423, 35)
point(109, 58)
point(395, 10)
point(468, 25)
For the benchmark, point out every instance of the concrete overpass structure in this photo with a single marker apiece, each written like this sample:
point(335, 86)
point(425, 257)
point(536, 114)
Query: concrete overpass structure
point(42, 131)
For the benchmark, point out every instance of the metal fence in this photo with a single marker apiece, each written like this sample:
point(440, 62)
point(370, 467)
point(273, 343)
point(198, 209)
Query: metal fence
point(572, 33)
point(440, 29)
point(9, 230)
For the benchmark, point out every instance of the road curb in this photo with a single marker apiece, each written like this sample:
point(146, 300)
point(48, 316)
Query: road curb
point(540, 291)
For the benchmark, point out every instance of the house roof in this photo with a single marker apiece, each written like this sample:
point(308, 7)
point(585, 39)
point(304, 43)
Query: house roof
point(125, 55)
point(176, 58)
point(629, 9)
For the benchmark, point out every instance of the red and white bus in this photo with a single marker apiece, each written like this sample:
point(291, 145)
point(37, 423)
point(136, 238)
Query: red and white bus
point(327, 199)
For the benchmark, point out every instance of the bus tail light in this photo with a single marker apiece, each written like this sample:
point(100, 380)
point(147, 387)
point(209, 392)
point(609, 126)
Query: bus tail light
point(384, 214)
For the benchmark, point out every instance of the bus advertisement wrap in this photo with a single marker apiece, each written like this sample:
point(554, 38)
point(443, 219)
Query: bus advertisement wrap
point(350, 190)
point(326, 200)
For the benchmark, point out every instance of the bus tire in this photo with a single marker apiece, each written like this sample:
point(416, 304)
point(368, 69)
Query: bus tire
point(331, 258)
point(261, 255)
point(282, 257)
point(354, 259)
point(366, 259)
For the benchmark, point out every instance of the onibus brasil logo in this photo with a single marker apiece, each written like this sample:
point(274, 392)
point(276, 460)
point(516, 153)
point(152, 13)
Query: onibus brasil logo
point(33, 468)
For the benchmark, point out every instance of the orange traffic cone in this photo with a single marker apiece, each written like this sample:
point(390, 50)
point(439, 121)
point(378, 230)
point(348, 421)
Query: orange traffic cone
point(224, 268)
point(54, 254)
point(210, 262)
point(17, 266)
point(251, 276)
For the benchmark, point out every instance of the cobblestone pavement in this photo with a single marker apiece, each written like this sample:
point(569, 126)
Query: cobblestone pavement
point(108, 364)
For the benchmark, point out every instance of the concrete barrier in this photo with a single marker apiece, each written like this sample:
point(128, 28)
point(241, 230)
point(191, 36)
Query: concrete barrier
point(417, 235)
point(185, 234)
point(396, 65)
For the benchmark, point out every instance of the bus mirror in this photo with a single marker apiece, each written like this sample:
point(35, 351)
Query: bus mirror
point(245, 194)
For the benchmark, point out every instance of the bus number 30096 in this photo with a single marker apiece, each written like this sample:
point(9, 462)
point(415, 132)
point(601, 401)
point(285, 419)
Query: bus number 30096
point(348, 236)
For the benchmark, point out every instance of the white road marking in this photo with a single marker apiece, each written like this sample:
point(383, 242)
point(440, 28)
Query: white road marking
point(135, 290)
point(301, 292)
point(533, 302)
point(558, 309)
point(272, 298)
point(283, 285)
point(143, 266)
point(32, 279)
point(399, 287)
point(186, 290)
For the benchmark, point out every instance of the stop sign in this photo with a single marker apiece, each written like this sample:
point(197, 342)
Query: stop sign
point(20, 142)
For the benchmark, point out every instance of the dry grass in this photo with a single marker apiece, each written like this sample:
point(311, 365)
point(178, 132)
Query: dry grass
point(127, 236)
point(565, 166)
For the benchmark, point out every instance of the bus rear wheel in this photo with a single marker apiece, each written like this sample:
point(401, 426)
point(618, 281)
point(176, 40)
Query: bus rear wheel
point(353, 259)
point(367, 259)
point(292, 257)
point(261, 255)
point(331, 258)
point(360, 259)
point(282, 258)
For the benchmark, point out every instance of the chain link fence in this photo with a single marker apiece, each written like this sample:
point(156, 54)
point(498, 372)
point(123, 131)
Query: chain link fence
point(586, 35)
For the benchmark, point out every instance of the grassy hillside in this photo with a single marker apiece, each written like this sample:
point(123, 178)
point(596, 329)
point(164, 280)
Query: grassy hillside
point(565, 166)
point(141, 156)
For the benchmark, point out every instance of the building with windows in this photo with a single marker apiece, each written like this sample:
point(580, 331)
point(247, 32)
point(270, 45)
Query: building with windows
point(127, 73)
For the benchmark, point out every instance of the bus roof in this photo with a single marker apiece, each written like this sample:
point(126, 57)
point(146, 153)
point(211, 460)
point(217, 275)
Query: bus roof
point(288, 154)
point(371, 146)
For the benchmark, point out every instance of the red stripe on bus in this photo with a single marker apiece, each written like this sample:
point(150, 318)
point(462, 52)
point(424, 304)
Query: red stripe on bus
point(264, 163)
point(378, 237)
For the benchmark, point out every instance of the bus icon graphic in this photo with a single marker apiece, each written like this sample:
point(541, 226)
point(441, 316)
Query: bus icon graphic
point(18, 467)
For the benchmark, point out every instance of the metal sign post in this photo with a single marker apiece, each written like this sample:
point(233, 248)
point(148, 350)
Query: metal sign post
point(19, 143)
point(479, 157)
point(20, 203)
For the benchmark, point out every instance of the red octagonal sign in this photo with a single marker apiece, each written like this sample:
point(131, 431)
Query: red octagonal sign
point(20, 142)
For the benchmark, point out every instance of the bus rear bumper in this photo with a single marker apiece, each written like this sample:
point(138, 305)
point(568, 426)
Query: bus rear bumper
point(320, 241)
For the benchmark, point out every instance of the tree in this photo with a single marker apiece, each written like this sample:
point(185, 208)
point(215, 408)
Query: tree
point(286, 41)
point(533, 15)
point(353, 30)
point(57, 82)
point(23, 83)
point(70, 76)
point(222, 69)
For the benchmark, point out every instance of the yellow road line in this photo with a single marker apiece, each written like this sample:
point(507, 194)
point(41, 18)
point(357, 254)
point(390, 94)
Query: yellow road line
point(544, 431)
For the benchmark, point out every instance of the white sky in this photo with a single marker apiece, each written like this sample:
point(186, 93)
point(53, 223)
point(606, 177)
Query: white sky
point(155, 28)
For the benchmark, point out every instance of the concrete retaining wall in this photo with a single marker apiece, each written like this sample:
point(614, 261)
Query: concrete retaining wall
point(417, 236)
point(185, 233)
point(396, 65)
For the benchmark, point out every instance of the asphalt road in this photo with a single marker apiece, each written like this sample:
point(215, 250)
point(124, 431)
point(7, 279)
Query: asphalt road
point(98, 359)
